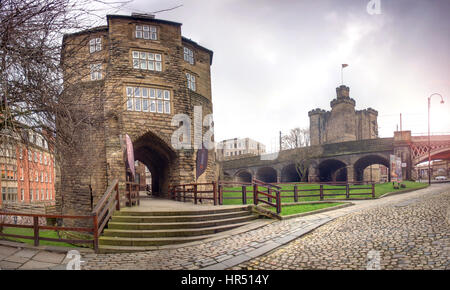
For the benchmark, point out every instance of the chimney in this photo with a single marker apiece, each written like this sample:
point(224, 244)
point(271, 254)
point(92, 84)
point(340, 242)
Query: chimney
point(143, 15)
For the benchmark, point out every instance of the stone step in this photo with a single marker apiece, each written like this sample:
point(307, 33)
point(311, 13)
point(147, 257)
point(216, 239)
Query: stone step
point(105, 249)
point(131, 212)
point(179, 225)
point(170, 233)
point(146, 242)
point(177, 218)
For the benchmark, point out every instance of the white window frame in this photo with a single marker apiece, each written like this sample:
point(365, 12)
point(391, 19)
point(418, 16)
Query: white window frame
point(147, 32)
point(191, 82)
point(153, 100)
point(146, 60)
point(96, 71)
point(95, 44)
point(188, 55)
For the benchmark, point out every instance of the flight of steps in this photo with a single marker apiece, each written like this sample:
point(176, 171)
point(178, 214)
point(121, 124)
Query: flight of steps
point(131, 231)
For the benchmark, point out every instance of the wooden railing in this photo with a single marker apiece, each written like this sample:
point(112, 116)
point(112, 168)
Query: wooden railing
point(267, 193)
point(100, 216)
point(258, 190)
point(194, 191)
point(104, 209)
point(132, 193)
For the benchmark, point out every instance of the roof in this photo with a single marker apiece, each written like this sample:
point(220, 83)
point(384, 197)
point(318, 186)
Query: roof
point(144, 18)
point(190, 41)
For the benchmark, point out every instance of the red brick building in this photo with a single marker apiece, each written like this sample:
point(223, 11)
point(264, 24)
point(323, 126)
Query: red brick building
point(27, 172)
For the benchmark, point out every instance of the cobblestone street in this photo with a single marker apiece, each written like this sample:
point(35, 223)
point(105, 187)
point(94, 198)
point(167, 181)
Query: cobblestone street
point(412, 234)
point(406, 231)
point(410, 230)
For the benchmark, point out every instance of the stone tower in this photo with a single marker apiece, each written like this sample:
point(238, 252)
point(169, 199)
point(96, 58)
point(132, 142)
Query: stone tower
point(139, 72)
point(343, 123)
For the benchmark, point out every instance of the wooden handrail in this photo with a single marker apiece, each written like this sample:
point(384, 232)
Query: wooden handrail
point(105, 196)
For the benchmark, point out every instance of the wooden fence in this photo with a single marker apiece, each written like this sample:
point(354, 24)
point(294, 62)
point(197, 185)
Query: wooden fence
point(271, 194)
point(99, 218)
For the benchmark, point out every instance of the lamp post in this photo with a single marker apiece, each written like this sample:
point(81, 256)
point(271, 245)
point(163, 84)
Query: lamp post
point(429, 140)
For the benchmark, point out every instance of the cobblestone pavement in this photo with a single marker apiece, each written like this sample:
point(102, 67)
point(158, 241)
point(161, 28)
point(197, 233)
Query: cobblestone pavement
point(413, 233)
point(409, 230)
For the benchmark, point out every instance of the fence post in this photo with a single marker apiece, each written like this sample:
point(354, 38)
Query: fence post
point(321, 192)
point(255, 194)
point(195, 193)
point(36, 230)
point(214, 192)
point(244, 194)
point(269, 192)
point(138, 194)
point(373, 190)
point(278, 202)
point(95, 222)
point(295, 193)
point(220, 194)
point(347, 191)
point(117, 197)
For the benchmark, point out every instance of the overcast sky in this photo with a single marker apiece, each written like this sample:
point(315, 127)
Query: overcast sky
point(276, 60)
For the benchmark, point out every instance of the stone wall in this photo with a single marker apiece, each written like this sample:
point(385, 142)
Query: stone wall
point(100, 144)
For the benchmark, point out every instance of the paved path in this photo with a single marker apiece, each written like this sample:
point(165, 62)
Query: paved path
point(414, 222)
point(27, 257)
point(412, 233)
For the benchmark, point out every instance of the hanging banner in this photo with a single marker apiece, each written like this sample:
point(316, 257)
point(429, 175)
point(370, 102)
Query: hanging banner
point(130, 156)
point(202, 161)
point(396, 168)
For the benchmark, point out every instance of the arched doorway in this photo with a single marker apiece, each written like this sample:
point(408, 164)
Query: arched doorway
point(332, 170)
point(374, 174)
point(243, 176)
point(267, 174)
point(158, 158)
point(289, 174)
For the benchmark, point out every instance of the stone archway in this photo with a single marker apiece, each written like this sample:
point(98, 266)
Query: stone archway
point(243, 176)
point(289, 174)
point(367, 161)
point(267, 174)
point(158, 157)
point(332, 170)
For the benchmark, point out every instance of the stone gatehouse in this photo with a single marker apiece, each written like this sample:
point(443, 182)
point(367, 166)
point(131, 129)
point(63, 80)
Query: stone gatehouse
point(136, 73)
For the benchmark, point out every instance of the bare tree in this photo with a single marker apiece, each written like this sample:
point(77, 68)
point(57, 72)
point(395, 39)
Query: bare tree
point(40, 94)
point(296, 138)
point(302, 162)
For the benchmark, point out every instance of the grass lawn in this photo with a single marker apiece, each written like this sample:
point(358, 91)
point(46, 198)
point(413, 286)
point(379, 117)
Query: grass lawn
point(30, 232)
point(300, 208)
point(380, 189)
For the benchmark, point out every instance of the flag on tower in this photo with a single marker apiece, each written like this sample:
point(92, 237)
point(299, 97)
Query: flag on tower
point(344, 65)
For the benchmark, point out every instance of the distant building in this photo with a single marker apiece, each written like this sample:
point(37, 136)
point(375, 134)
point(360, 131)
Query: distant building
point(438, 168)
point(343, 122)
point(27, 171)
point(238, 148)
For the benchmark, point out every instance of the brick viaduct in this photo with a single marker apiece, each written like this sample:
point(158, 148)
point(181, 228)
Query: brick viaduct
point(339, 161)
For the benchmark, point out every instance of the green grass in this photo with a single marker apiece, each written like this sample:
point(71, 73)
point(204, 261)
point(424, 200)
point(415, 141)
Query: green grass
point(301, 208)
point(30, 232)
point(380, 189)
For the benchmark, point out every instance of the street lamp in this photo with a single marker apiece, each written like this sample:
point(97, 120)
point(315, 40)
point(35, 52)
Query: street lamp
point(429, 142)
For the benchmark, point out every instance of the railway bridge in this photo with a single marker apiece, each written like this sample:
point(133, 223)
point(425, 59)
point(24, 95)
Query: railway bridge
point(344, 161)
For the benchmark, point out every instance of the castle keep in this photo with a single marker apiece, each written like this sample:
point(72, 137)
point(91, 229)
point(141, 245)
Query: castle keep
point(343, 122)
point(137, 73)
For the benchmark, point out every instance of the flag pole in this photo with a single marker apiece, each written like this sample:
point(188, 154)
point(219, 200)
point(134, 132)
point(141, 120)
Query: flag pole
point(342, 75)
